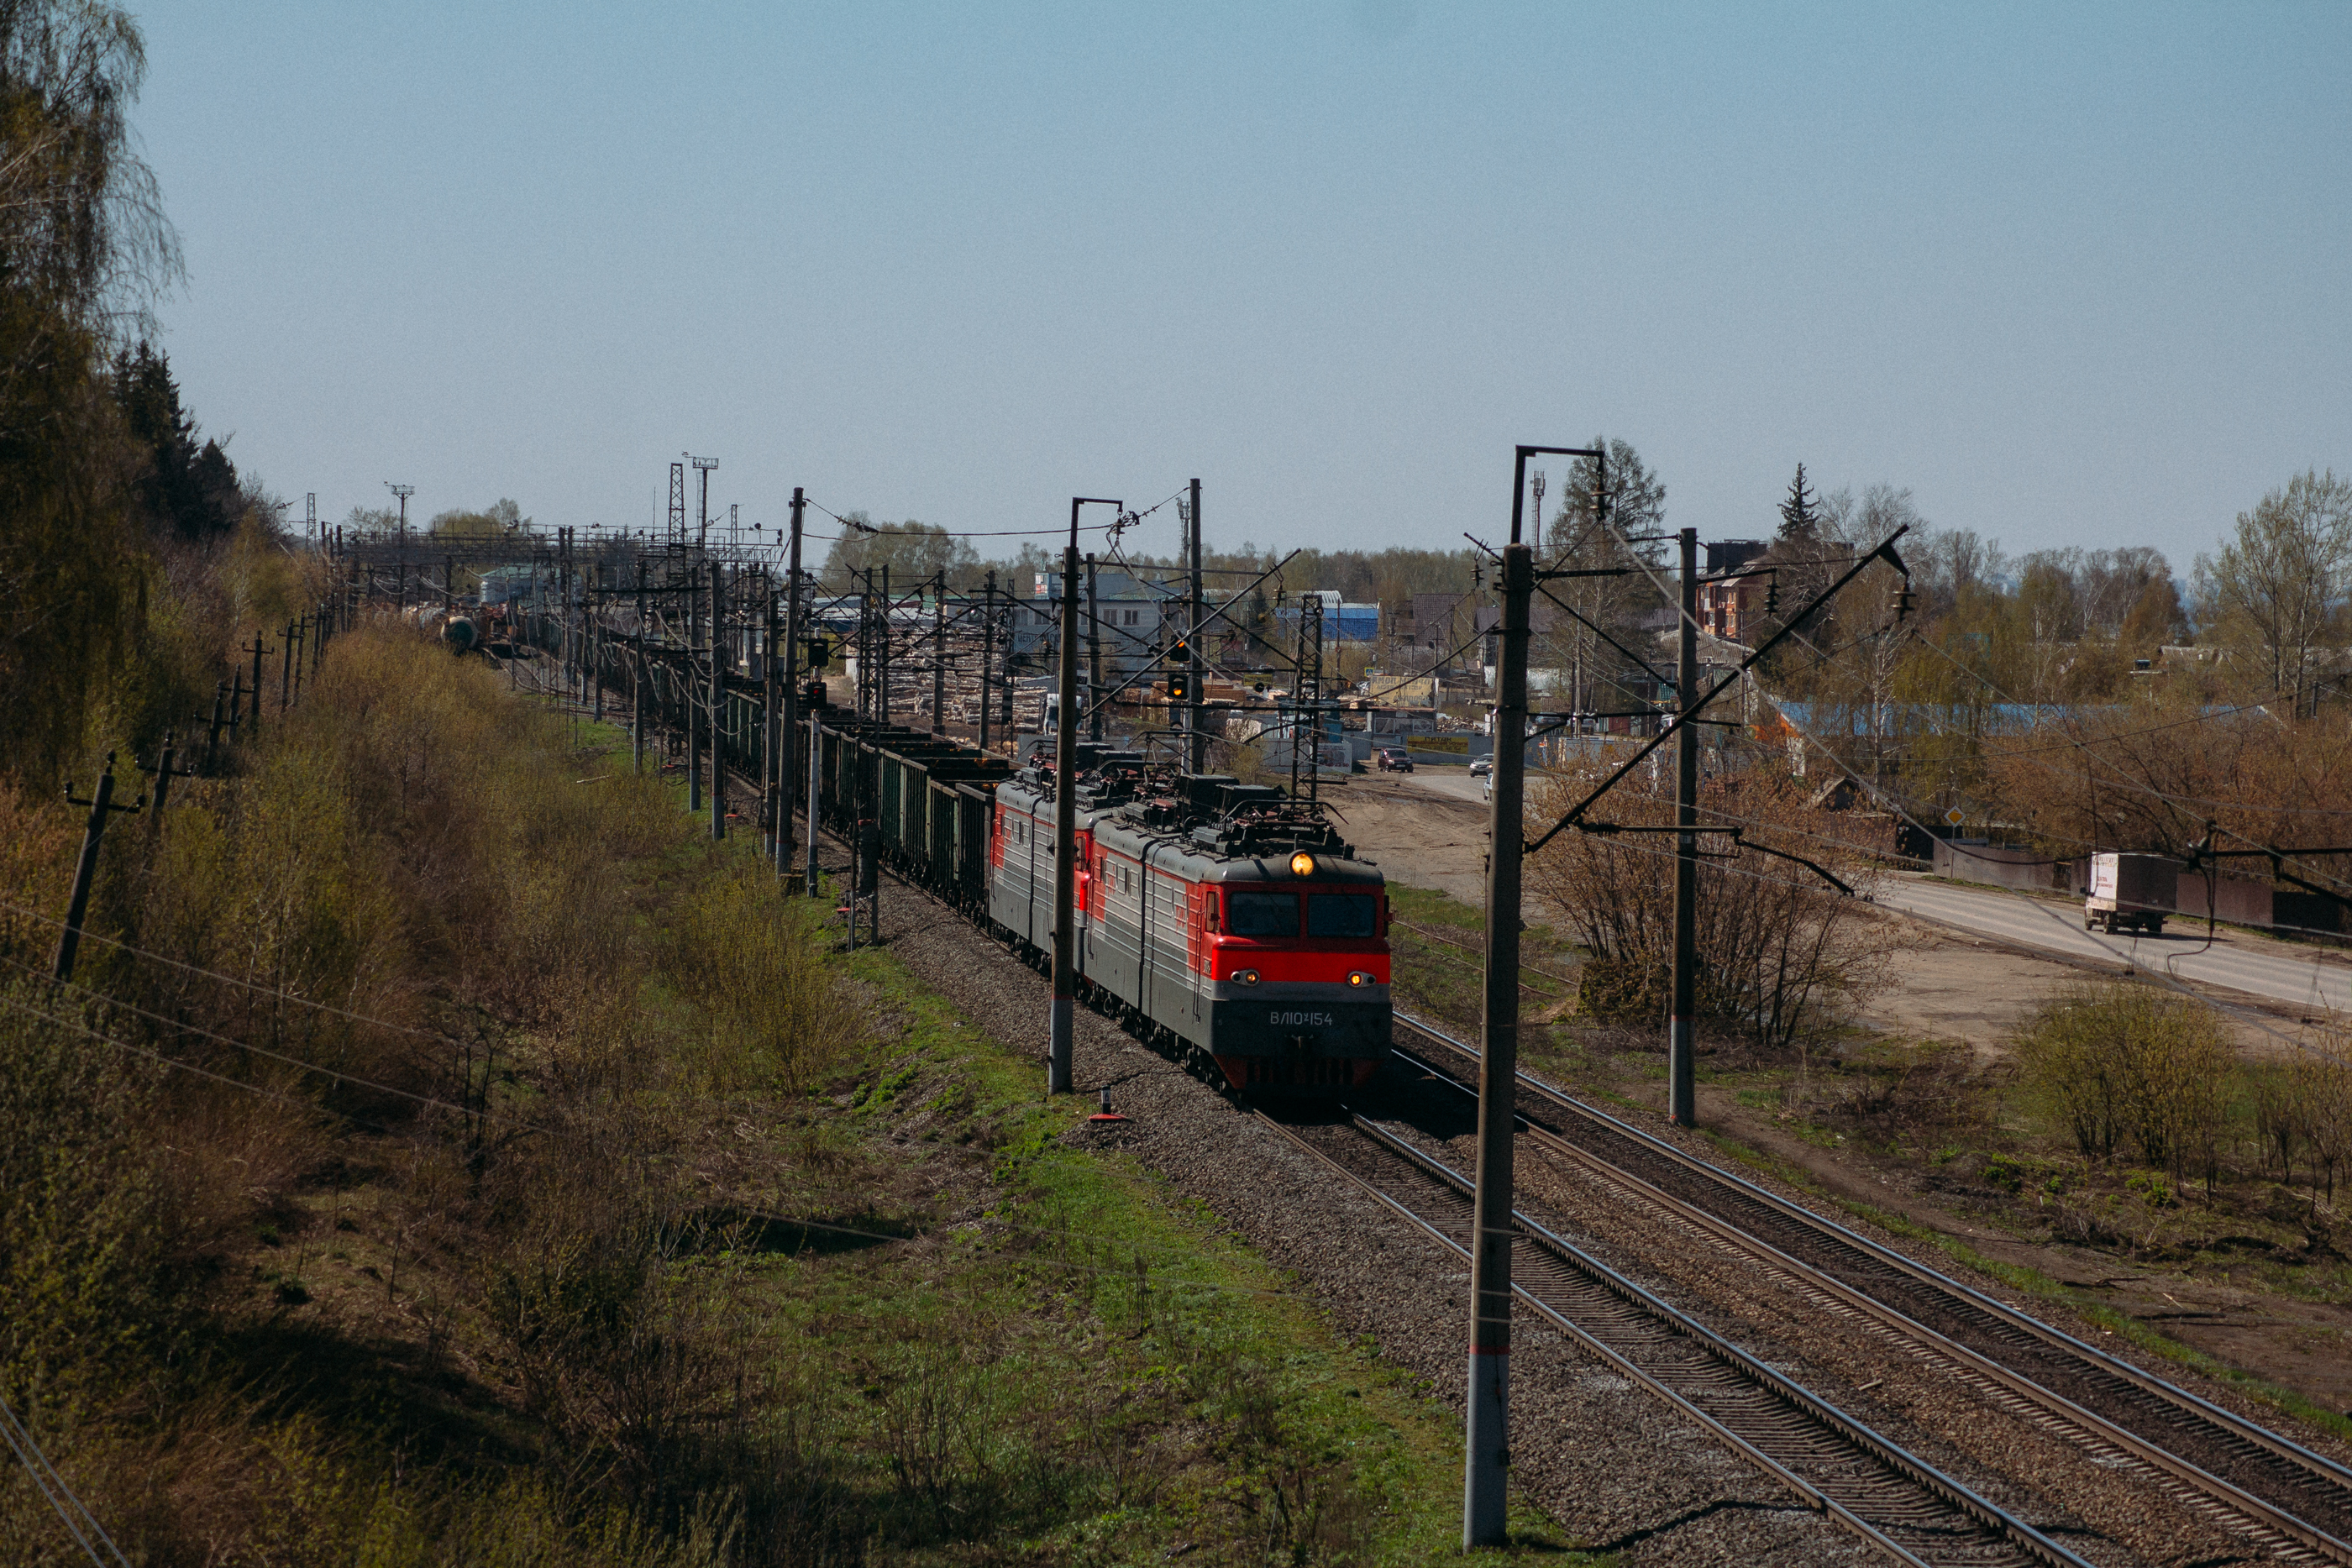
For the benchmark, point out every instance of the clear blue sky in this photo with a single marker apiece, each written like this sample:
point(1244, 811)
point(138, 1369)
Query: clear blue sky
point(2076, 275)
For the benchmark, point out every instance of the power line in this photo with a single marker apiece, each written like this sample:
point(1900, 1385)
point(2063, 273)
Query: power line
point(425, 1099)
point(233, 980)
point(79, 1523)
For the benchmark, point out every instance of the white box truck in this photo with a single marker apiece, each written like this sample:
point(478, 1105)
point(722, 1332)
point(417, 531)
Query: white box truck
point(2131, 892)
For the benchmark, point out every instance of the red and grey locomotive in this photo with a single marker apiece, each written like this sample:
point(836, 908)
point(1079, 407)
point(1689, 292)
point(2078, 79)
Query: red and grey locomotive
point(1227, 920)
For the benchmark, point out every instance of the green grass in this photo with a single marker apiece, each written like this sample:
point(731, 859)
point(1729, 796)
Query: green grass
point(1098, 1326)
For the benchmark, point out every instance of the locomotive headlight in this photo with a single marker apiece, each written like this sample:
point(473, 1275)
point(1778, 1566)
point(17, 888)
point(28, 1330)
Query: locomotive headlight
point(1302, 864)
point(1244, 977)
point(1360, 977)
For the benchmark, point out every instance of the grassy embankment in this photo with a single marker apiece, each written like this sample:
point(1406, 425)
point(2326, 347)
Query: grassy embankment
point(634, 1226)
point(1989, 1148)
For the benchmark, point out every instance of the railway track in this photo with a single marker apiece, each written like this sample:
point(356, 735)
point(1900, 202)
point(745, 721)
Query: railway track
point(1888, 1495)
point(2264, 1487)
point(2259, 1485)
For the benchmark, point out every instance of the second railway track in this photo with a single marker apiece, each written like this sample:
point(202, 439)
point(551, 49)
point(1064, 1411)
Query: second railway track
point(2265, 1487)
point(1901, 1503)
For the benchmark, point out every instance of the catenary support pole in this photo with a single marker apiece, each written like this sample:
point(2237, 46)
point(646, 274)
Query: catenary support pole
point(1682, 1100)
point(793, 631)
point(882, 652)
point(776, 808)
point(1062, 1023)
point(1094, 655)
point(637, 680)
point(987, 654)
point(815, 762)
point(718, 661)
point(1486, 1470)
point(686, 693)
point(1004, 687)
point(1194, 716)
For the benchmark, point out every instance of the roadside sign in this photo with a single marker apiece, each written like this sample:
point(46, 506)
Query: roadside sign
point(1952, 817)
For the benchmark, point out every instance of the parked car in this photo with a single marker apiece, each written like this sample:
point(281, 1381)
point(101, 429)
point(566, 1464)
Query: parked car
point(1394, 759)
point(1482, 766)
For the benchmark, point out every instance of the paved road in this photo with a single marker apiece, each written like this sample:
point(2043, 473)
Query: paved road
point(2275, 970)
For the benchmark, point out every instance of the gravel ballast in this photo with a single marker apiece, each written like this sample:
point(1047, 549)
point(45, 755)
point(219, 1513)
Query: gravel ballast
point(1616, 1468)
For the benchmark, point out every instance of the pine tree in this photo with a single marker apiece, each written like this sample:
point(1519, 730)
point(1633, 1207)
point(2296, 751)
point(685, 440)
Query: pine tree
point(181, 488)
point(1800, 521)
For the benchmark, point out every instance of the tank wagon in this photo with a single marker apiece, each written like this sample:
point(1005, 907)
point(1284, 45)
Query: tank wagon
point(1226, 921)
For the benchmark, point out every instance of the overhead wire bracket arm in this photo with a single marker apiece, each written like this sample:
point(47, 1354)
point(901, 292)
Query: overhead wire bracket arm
point(1787, 629)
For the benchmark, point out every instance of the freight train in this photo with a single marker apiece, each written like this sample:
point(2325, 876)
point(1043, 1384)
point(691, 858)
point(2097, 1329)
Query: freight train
point(1227, 921)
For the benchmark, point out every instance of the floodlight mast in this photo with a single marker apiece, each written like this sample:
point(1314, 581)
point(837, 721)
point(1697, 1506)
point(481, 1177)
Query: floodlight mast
point(702, 506)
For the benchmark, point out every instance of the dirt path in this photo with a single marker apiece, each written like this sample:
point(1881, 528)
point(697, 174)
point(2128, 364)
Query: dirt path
point(1417, 838)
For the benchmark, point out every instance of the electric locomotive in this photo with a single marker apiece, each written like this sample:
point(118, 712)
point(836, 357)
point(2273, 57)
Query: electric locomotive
point(1227, 918)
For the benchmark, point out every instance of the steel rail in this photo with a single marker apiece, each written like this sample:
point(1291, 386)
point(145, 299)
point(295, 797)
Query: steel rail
point(1823, 1418)
point(2257, 1516)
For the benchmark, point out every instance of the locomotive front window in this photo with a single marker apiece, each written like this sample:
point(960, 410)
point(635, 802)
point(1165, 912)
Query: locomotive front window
point(1261, 914)
point(1341, 913)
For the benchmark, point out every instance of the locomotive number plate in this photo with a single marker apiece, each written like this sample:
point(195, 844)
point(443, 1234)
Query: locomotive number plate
point(1300, 1019)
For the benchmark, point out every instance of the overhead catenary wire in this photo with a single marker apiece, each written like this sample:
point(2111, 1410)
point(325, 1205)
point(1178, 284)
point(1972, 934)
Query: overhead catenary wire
point(2168, 977)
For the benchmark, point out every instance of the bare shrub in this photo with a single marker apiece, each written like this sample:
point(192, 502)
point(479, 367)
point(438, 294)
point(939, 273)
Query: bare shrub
point(744, 957)
point(2304, 1106)
point(626, 1344)
point(83, 1255)
point(2131, 1066)
point(1779, 948)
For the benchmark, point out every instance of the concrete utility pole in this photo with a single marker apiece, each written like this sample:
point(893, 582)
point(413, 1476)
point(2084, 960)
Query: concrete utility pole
point(1486, 1477)
point(286, 641)
point(718, 702)
point(161, 790)
point(1094, 655)
point(1194, 716)
point(1682, 1100)
point(785, 772)
point(940, 658)
point(101, 805)
point(259, 647)
point(1062, 1021)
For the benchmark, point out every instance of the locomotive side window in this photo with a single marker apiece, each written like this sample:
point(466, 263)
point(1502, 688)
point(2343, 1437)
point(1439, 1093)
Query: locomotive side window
point(1262, 914)
point(1341, 913)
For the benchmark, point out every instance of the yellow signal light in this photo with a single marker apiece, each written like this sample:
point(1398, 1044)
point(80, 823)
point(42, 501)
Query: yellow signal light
point(1302, 864)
